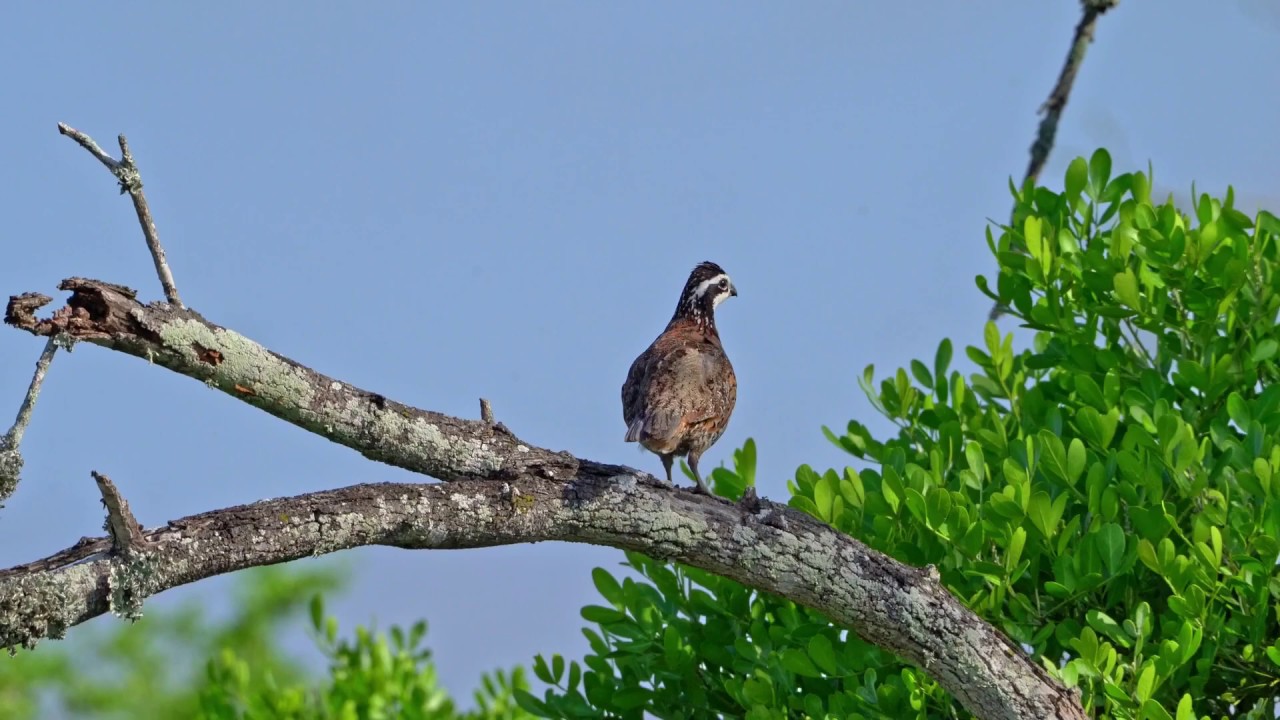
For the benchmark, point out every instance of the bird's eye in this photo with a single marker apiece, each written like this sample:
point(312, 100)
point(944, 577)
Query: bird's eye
point(724, 283)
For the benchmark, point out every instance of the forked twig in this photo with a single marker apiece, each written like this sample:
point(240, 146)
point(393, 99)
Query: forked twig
point(126, 172)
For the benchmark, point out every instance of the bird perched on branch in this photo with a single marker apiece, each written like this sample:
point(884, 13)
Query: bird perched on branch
point(680, 392)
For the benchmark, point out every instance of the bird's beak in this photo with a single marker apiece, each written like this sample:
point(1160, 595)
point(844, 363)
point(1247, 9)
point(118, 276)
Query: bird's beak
point(733, 290)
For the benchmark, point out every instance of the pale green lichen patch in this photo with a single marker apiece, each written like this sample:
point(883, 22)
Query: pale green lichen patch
point(420, 438)
point(245, 369)
point(129, 581)
point(242, 362)
point(35, 607)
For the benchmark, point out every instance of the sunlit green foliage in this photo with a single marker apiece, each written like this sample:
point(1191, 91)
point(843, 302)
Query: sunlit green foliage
point(157, 668)
point(1104, 495)
point(154, 668)
point(376, 677)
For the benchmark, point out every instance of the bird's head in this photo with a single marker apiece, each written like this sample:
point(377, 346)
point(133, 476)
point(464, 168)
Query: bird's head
point(708, 286)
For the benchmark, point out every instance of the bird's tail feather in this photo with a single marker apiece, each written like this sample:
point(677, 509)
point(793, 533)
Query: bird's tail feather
point(635, 429)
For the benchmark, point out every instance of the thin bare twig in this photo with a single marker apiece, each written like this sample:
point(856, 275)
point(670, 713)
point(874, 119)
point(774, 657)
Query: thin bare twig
point(126, 533)
point(126, 172)
point(10, 454)
point(14, 437)
point(1057, 102)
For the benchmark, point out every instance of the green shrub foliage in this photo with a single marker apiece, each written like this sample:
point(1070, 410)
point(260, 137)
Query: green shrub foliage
point(1101, 490)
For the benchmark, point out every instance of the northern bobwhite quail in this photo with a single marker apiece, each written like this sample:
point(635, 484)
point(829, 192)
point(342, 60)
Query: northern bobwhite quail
point(680, 392)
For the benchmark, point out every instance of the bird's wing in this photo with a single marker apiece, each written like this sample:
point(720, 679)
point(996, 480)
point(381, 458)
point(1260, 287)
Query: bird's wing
point(633, 392)
point(686, 386)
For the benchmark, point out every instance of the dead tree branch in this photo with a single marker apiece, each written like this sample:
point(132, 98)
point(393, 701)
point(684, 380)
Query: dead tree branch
point(515, 493)
point(126, 172)
point(10, 451)
point(1057, 102)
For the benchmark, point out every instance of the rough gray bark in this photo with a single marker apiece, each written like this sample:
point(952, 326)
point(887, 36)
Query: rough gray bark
point(513, 493)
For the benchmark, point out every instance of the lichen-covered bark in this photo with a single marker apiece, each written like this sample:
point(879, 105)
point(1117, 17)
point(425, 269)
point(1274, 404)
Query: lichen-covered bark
point(381, 429)
point(514, 493)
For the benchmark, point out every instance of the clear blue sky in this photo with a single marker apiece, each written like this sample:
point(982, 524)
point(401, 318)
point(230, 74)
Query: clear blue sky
point(445, 201)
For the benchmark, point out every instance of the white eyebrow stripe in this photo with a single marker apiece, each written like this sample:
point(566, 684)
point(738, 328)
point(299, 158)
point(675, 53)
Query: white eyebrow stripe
point(706, 284)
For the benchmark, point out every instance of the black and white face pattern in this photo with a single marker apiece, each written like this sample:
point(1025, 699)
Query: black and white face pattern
point(707, 287)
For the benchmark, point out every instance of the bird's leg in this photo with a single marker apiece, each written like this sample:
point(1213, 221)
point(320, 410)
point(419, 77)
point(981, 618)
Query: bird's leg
point(666, 465)
point(693, 465)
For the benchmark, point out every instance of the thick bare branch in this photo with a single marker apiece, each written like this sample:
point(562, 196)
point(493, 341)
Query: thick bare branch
point(901, 608)
point(381, 429)
point(516, 493)
point(126, 172)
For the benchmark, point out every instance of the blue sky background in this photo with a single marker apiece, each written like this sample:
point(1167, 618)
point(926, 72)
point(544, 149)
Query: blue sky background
point(445, 201)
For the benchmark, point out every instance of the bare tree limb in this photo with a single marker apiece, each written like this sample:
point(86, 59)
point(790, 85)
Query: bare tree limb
point(381, 429)
point(1057, 102)
point(515, 493)
point(10, 451)
point(898, 607)
point(126, 172)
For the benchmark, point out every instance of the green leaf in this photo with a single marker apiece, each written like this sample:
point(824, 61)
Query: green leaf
point(1076, 458)
point(1099, 171)
point(541, 670)
point(942, 360)
point(921, 374)
point(1097, 429)
point(973, 456)
point(1126, 287)
point(825, 492)
point(1265, 350)
point(1238, 410)
point(630, 698)
point(1110, 543)
point(745, 462)
point(602, 615)
point(317, 612)
point(1146, 682)
point(607, 586)
point(1273, 654)
point(1107, 625)
point(1045, 513)
point(1152, 710)
point(1054, 456)
point(1037, 246)
point(1077, 176)
point(1088, 392)
point(822, 654)
point(799, 663)
point(758, 690)
point(1185, 709)
point(1014, 552)
point(531, 704)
